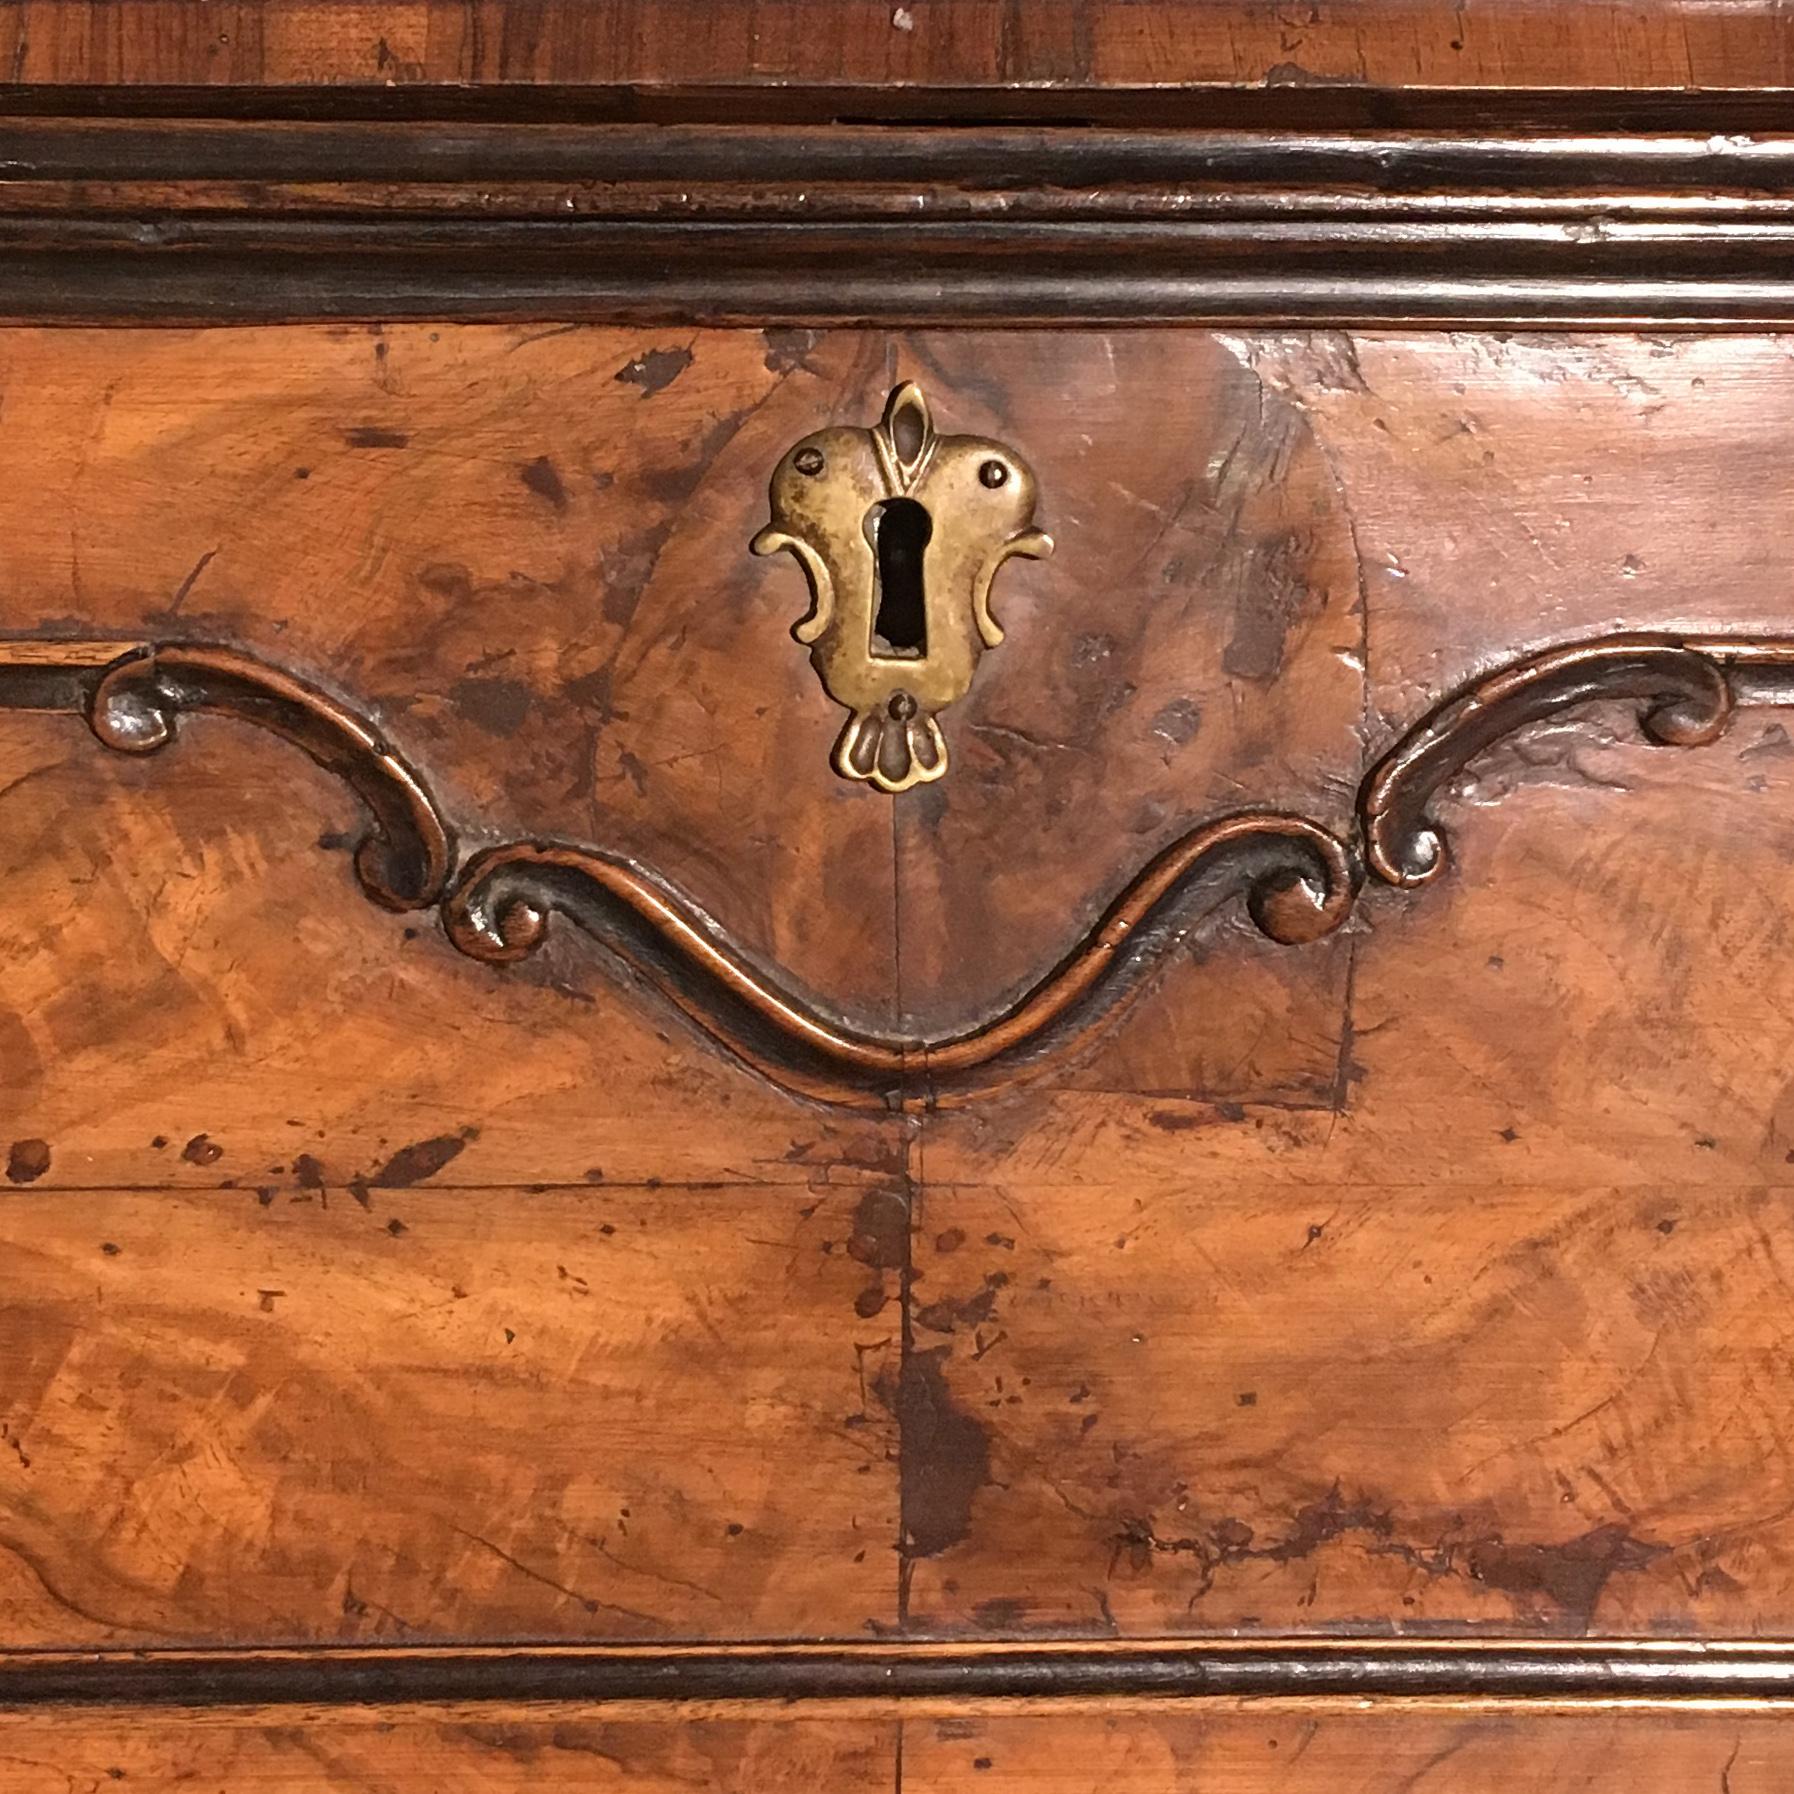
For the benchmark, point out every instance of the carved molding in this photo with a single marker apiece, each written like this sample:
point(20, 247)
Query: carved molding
point(403, 863)
point(1278, 207)
point(1299, 880)
point(892, 1673)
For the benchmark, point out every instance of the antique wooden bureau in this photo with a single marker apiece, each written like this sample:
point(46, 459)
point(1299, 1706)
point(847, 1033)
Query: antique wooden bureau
point(896, 897)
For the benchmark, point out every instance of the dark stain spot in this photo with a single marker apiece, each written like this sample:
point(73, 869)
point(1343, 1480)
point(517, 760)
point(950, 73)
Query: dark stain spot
point(950, 1241)
point(372, 436)
point(881, 1231)
point(541, 478)
point(1002, 1613)
point(1231, 1111)
point(633, 770)
point(789, 349)
point(1293, 74)
point(944, 1454)
point(1555, 1584)
point(593, 692)
point(1247, 1398)
point(110, 1248)
point(447, 579)
point(412, 1164)
point(1321, 1522)
point(1172, 1121)
point(1666, 1226)
point(499, 706)
point(655, 371)
point(160, 1143)
point(628, 568)
point(202, 1150)
point(309, 1172)
point(981, 1762)
point(869, 1301)
point(28, 1161)
point(1269, 600)
point(947, 1315)
point(397, 1228)
point(1714, 1580)
point(1569, 1576)
point(1178, 722)
point(267, 1298)
point(1773, 743)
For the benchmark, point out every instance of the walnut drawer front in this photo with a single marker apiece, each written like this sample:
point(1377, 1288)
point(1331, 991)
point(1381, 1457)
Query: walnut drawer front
point(1227, 1233)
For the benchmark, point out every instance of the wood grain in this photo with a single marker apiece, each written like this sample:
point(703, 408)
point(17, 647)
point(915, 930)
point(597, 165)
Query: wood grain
point(1427, 1282)
point(515, 1752)
point(404, 1414)
point(1191, 648)
point(1367, 1753)
point(944, 44)
point(494, 579)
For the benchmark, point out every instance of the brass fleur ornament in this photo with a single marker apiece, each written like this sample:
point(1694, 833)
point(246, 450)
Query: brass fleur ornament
point(900, 532)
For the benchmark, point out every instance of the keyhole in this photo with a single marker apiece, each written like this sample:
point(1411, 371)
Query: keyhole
point(899, 530)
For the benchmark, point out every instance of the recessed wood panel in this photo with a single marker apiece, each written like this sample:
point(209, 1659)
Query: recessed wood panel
point(1416, 1751)
point(196, 992)
point(1282, 1410)
point(510, 1751)
point(1194, 646)
point(523, 551)
point(394, 1415)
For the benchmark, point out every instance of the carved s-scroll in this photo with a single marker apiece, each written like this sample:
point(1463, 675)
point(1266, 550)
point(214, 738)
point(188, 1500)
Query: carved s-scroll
point(133, 701)
point(1299, 879)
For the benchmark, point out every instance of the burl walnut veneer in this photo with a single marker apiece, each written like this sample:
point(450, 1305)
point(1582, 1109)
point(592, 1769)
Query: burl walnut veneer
point(1159, 1156)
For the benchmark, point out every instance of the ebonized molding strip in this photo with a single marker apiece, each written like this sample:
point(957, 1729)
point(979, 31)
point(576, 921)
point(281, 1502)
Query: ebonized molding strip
point(1299, 879)
point(896, 1672)
point(190, 219)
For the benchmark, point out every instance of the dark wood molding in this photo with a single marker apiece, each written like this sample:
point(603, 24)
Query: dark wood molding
point(195, 219)
point(895, 1672)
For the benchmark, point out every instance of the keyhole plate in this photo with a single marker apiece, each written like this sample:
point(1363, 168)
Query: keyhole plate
point(900, 530)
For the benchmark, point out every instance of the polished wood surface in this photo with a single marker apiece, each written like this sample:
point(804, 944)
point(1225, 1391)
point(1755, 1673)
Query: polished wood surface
point(1358, 1754)
point(1389, 1279)
point(1235, 1239)
point(520, 1752)
point(939, 44)
point(467, 1752)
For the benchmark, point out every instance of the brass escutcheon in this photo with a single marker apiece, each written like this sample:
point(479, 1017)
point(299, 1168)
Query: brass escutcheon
point(900, 532)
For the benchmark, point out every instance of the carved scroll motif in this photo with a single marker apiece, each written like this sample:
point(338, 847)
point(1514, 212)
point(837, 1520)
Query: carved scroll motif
point(1299, 879)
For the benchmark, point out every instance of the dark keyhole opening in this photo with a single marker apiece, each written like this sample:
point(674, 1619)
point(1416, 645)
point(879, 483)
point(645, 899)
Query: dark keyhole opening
point(899, 529)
